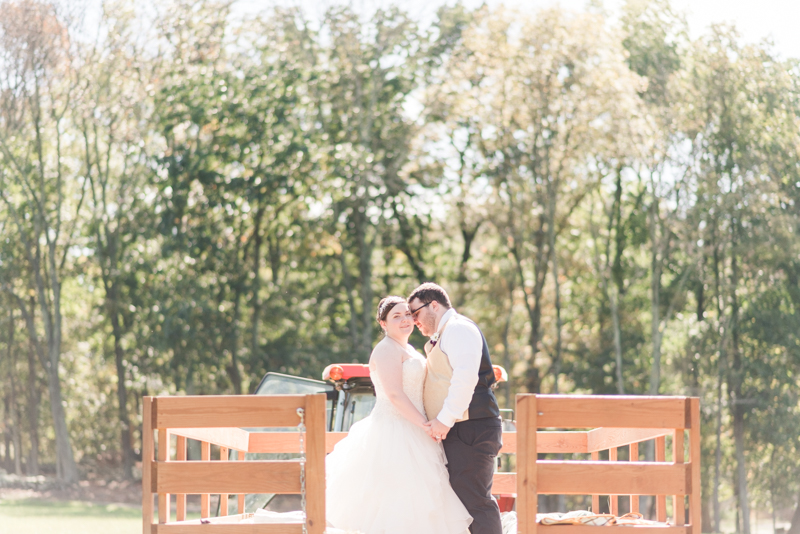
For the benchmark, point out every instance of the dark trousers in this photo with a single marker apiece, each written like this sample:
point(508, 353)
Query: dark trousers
point(471, 448)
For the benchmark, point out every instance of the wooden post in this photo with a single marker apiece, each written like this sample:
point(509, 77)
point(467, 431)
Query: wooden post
point(633, 456)
point(678, 501)
point(205, 455)
point(180, 498)
point(695, 501)
point(240, 457)
point(147, 464)
point(315, 417)
point(595, 498)
point(163, 456)
point(223, 498)
point(527, 490)
point(661, 500)
point(612, 457)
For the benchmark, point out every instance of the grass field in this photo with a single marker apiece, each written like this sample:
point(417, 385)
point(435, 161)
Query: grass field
point(35, 516)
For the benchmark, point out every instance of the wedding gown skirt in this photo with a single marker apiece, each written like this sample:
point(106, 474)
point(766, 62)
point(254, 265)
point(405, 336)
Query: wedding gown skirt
point(389, 477)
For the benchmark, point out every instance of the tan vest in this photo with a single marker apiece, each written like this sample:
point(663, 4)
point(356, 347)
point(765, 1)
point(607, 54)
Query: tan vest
point(437, 380)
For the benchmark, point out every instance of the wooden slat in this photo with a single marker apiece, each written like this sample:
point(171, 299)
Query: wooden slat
point(205, 455)
point(232, 438)
point(601, 439)
point(227, 529)
point(147, 463)
point(561, 442)
point(596, 497)
point(220, 520)
point(589, 529)
point(180, 498)
point(509, 443)
point(678, 501)
point(504, 483)
point(211, 411)
point(633, 456)
point(618, 411)
point(163, 456)
point(695, 500)
point(277, 442)
point(609, 478)
point(315, 417)
point(278, 476)
point(527, 466)
point(240, 503)
point(612, 457)
point(223, 498)
point(661, 500)
point(547, 442)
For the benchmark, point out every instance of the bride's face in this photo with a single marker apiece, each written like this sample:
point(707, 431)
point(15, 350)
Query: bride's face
point(399, 322)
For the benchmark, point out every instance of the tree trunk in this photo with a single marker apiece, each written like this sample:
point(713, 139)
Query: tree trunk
point(720, 380)
point(6, 431)
point(506, 351)
point(256, 299)
point(34, 400)
point(67, 469)
point(614, 301)
point(535, 311)
point(736, 400)
point(235, 374)
point(122, 389)
point(618, 279)
point(655, 300)
point(718, 455)
point(14, 404)
point(348, 287)
point(551, 231)
point(741, 468)
point(794, 528)
point(468, 234)
point(365, 269)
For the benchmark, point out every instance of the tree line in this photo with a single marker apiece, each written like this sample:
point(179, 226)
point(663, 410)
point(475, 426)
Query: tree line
point(189, 199)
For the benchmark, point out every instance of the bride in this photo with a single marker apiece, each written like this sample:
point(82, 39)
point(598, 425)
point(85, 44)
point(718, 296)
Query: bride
point(388, 476)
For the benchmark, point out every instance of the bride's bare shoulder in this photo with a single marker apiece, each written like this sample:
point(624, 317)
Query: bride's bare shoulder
point(385, 349)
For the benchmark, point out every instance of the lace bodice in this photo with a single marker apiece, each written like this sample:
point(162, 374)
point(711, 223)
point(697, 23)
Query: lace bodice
point(413, 381)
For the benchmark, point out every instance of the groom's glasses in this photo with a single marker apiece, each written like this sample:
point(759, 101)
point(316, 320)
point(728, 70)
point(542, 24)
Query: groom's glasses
point(416, 312)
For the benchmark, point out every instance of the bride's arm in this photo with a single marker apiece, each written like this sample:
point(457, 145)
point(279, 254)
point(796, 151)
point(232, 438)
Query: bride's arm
point(389, 367)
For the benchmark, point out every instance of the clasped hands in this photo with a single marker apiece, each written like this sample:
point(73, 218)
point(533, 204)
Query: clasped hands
point(436, 429)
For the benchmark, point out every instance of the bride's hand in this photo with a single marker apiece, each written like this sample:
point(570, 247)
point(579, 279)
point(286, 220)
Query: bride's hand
point(427, 426)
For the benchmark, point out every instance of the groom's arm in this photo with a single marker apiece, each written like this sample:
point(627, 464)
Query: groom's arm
point(462, 344)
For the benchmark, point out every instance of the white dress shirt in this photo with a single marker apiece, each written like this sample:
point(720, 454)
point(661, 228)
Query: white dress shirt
point(462, 344)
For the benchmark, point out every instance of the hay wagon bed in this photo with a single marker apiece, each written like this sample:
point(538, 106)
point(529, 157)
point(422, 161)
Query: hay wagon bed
point(587, 425)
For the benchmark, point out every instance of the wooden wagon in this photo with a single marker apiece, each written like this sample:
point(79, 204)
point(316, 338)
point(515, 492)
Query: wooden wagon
point(586, 425)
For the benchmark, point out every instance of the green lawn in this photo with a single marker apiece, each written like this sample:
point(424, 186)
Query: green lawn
point(34, 516)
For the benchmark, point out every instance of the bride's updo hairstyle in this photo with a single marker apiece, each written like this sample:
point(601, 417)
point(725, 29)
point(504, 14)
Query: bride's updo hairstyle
point(385, 306)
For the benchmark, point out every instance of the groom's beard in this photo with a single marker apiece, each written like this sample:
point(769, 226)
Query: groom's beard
point(429, 322)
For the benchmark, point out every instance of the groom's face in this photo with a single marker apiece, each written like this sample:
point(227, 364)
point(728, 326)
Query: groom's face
point(425, 318)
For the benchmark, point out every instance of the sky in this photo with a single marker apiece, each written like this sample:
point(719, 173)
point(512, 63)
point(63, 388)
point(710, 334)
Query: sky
point(755, 19)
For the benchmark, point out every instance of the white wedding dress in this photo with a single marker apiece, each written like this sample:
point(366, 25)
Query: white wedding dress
point(388, 476)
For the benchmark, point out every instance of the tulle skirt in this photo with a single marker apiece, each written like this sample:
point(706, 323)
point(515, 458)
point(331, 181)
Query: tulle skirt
point(389, 477)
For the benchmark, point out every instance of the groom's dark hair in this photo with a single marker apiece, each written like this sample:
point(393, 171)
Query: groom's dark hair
point(429, 292)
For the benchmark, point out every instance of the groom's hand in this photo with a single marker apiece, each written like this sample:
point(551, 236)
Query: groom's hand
point(438, 430)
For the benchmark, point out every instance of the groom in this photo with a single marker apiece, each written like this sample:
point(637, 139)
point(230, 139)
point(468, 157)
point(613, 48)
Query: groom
point(466, 417)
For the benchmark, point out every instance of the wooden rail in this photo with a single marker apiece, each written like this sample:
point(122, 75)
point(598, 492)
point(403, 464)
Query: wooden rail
point(219, 420)
point(615, 422)
point(595, 424)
